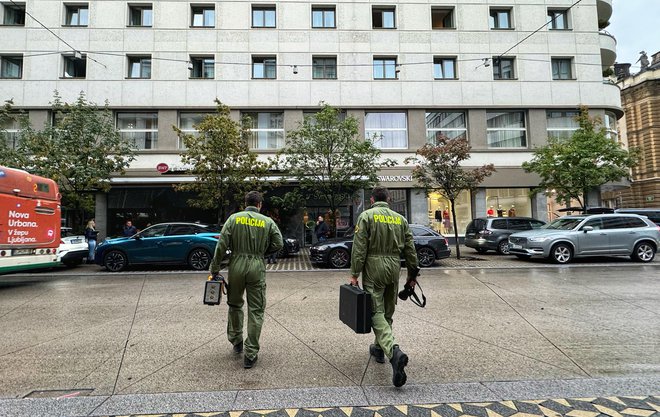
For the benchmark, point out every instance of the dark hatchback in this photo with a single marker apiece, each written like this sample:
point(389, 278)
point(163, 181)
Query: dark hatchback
point(492, 233)
point(336, 253)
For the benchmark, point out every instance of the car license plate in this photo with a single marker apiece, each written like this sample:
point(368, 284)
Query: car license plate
point(516, 246)
point(21, 252)
point(74, 241)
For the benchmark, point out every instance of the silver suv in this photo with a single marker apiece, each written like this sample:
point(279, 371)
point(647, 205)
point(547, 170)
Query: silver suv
point(590, 235)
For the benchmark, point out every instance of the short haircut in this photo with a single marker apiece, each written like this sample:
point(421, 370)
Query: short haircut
point(253, 198)
point(380, 193)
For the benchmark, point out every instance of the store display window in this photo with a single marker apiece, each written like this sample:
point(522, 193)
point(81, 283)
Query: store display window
point(440, 213)
point(507, 202)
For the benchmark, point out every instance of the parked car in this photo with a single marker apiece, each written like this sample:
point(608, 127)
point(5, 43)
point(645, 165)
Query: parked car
point(651, 213)
point(291, 247)
point(589, 235)
point(492, 233)
point(165, 243)
point(73, 248)
point(336, 253)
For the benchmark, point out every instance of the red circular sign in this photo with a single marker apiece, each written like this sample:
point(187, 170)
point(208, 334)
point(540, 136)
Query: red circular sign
point(162, 168)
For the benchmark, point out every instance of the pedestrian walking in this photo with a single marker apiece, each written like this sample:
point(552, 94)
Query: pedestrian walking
point(321, 229)
point(129, 229)
point(250, 236)
point(91, 235)
point(381, 235)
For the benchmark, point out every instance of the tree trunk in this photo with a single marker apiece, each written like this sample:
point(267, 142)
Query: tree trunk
point(453, 218)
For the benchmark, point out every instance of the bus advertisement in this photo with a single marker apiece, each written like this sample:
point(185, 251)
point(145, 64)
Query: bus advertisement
point(29, 221)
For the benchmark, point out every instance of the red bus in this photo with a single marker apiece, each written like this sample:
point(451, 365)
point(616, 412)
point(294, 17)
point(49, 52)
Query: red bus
point(29, 221)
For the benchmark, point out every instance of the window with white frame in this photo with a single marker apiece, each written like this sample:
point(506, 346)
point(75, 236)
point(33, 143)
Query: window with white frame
point(323, 17)
point(562, 69)
point(453, 125)
point(202, 16)
point(558, 19)
point(506, 129)
point(266, 130)
point(77, 14)
point(610, 126)
point(13, 14)
point(140, 15)
point(74, 66)
point(188, 123)
point(139, 66)
point(202, 67)
point(264, 17)
point(385, 68)
point(504, 68)
point(444, 68)
point(500, 19)
point(11, 66)
point(387, 130)
point(562, 123)
point(10, 132)
point(140, 129)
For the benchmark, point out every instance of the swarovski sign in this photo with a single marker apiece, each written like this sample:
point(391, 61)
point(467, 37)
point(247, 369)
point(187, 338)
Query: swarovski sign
point(395, 178)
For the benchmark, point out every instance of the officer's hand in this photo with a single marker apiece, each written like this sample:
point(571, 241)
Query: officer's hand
point(354, 281)
point(215, 275)
point(412, 283)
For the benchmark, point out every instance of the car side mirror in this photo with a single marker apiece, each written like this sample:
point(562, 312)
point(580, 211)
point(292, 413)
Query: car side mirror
point(586, 229)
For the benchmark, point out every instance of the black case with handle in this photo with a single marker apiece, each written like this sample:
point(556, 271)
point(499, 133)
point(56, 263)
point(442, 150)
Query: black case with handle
point(355, 308)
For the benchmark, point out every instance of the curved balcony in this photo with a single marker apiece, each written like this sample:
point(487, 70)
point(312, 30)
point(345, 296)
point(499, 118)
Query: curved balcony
point(604, 11)
point(607, 49)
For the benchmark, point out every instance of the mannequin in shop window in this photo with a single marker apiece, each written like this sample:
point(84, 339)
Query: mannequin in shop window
point(490, 212)
point(446, 220)
point(500, 211)
point(512, 211)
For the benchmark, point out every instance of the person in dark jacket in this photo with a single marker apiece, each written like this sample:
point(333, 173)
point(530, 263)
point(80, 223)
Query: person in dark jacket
point(91, 235)
point(321, 229)
point(129, 229)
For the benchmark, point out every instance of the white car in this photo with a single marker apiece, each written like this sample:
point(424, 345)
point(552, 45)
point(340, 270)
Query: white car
point(73, 248)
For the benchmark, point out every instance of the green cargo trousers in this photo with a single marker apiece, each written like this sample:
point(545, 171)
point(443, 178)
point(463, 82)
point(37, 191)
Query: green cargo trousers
point(247, 273)
point(380, 278)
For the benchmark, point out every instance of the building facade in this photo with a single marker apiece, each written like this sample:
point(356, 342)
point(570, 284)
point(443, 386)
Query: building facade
point(505, 74)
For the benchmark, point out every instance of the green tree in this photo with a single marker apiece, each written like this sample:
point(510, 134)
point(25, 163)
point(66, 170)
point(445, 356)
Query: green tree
point(329, 160)
point(80, 151)
point(9, 119)
point(220, 159)
point(438, 168)
point(587, 160)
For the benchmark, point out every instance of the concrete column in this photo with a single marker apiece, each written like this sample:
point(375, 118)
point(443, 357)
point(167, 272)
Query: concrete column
point(479, 202)
point(167, 137)
point(419, 207)
point(359, 115)
point(540, 207)
point(292, 120)
point(416, 129)
point(101, 215)
point(477, 129)
point(537, 128)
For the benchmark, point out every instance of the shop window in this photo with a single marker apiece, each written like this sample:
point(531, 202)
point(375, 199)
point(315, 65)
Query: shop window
point(507, 202)
point(562, 124)
point(387, 130)
point(440, 218)
point(266, 130)
point(188, 123)
point(450, 124)
point(506, 129)
point(140, 129)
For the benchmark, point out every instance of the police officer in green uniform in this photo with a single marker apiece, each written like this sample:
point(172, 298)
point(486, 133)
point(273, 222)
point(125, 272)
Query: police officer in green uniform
point(381, 236)
point(249, 236)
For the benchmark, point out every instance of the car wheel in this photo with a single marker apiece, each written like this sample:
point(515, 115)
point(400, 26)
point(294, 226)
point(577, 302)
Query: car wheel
point(561, 253)
point(199, 259)
point(425, 257)
point(643, 252)
point(503, 247)
point(339, 258)
point(481, 250)
point(115, 261)
point(521, 256)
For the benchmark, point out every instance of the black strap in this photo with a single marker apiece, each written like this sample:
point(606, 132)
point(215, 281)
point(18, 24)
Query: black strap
point(415, 299)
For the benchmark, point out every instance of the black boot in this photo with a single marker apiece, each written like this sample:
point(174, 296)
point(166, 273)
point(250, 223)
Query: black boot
point(377, 353)
point(238, 347)
point(399, 361)
point(249, 363)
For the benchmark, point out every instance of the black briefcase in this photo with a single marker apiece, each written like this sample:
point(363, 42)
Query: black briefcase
point(355, 308)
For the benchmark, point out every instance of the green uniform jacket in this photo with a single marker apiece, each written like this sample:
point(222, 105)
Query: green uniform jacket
point(381, 232)
point(247, 233)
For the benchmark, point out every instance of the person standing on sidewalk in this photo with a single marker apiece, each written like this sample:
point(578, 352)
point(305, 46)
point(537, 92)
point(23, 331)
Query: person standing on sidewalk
point(381, 235)
point(250, 236)
point(91, 234)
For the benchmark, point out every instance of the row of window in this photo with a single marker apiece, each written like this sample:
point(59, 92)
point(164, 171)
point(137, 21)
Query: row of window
point(265, 67)
point(387, 130)
point(264, 16)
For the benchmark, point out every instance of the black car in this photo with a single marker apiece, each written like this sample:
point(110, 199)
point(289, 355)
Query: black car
point(336, 253)
point(291, 246)
point(492, 233)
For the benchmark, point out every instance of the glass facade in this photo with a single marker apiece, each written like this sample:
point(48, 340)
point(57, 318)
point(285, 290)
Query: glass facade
point(507, 202)
point(506, 129)
point(188, 123)
point(610, 126)
point(140, 129)
point(561, 123)
point(387, 130)
point(439, 211)
point(266, 130)
point(450, 124)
